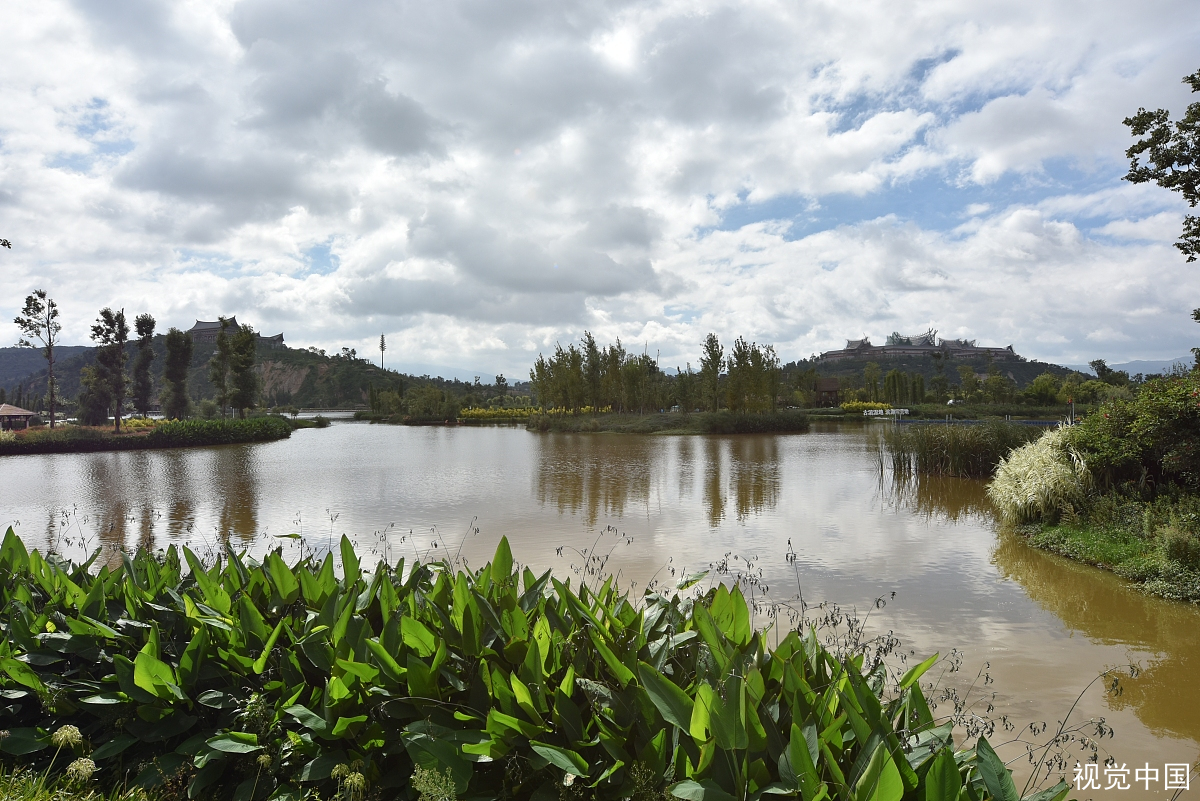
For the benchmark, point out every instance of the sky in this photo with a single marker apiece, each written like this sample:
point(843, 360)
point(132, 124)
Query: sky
point(482, 180)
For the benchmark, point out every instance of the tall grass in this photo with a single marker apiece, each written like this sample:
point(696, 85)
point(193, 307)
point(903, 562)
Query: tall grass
point(1040, 480)
point(963, 451)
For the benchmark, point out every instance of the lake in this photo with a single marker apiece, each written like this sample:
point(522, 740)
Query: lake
point(808, 513)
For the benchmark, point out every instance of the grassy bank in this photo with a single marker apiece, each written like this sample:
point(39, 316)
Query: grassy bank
point(174, 434)
point(1121, 490)
point(1155, 544)
point(963, 451)
point(723, 422)
point(271, 680)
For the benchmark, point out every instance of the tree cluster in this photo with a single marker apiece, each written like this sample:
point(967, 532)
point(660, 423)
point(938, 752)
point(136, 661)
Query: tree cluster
point(589, 377)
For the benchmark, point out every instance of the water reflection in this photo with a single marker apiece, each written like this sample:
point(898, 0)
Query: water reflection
point(235, 475)
point(754, 462)
point(595, 476)
point(1108, 610)
point(936, 497)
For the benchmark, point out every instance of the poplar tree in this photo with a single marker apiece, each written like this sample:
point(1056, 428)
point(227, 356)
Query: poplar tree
point(712, 357)
point(39, 321)
point(142, 386)
point(218, 367)
point(174, 397)
point(112, 332)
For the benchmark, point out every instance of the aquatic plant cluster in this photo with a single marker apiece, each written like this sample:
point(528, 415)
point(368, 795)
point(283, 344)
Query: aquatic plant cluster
point(964, 451)
point(255, 680)
point(172, 434)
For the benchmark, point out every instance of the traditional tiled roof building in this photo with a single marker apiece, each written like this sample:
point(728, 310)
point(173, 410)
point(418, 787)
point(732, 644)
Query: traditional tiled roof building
point(205, 331)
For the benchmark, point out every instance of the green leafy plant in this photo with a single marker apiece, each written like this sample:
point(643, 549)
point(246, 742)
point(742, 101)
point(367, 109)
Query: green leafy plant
point(252, 680)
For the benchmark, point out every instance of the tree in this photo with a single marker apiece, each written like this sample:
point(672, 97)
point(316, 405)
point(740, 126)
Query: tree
point(685, 389)
point(970, 381)
point(142, 386)
point(382, 348)
point(871, 373)
point(39, 321)
point(1172, 154)
point(501, 387)
point(112, 332)
point(244, 383)
point(592, 370)
point(175, 374)
point(218, 367)
point(4, 243)
point(712, 356)
point(94, 397)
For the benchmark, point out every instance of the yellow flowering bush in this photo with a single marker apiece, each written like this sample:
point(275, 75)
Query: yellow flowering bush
point(862, 406)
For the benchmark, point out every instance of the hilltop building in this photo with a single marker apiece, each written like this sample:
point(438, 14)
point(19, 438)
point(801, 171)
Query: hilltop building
point(923, 344)
point(204, 331)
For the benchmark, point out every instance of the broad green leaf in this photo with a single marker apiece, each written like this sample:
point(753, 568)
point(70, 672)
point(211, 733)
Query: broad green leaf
point(193, 656)
point(351, 571)
point(285, 581)
point(942, 782)
point(881, 780)
point(916, 672)
point(703, 790)
point(569, 761)
point(502, 562)
point(996, 777)
point(260, 664)
point(1056, 793)
point(114, 746)
point(417, 637)
point(22, 673)
point(235, 742)
point(671, 702)
point(308, 718)
point(20, 742)
point(623, 674)
point(155, 676)
point(345, 725)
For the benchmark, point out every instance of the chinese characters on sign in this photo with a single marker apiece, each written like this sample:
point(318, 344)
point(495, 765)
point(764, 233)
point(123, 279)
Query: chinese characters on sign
point(1175, 776)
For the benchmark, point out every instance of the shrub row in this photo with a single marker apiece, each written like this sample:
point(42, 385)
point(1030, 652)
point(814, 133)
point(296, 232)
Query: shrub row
point(247, 680)
point(173, 434)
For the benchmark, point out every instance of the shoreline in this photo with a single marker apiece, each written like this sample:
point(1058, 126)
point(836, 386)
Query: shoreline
point(175, 434)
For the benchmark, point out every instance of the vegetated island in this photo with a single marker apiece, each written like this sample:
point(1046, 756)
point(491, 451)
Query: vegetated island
point(250, 680)
point(143, 434)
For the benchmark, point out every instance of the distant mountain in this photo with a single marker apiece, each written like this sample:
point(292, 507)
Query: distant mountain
point(1143, 366)
point(17, 363)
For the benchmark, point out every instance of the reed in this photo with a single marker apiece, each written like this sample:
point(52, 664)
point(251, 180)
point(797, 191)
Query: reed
point(963, 451)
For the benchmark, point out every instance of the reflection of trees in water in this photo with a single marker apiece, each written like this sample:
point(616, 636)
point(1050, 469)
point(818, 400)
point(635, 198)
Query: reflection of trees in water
point(236, 481)
point(755, 474)
point(177, 483)
point(110, 501)
point(1165, 695)
point(592, 475)
point(714, 492)
point(752, 465)
point(936, 497)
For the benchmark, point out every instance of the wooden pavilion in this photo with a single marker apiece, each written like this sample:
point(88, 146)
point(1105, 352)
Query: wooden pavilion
point(11, 415)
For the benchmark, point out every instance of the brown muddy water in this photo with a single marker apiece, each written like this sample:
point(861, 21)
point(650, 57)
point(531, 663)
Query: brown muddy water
point(1030, 630)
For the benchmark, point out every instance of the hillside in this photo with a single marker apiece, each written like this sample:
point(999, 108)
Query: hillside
point(291, 376)
point(1022, 371)
point(17, 363)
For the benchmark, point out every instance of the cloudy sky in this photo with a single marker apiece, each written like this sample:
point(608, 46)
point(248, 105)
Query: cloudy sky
point(479, 179)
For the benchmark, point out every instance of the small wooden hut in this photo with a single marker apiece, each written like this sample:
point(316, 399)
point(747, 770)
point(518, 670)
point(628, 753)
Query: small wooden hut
point(11, 415)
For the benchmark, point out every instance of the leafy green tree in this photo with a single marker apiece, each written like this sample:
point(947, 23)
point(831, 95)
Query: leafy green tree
point(871, 373)
point(219, 367)
point(686, 391)
point(918, 388)
point(968, 381)
point(712, 357)
point(245, 385)
point(593, 370)
point(1043, 390)
point(95, 400)
point(142, 386)
point(174, 396)
point(501, 387)
point(112, 332)
point(39, 321)
point(1172, 153)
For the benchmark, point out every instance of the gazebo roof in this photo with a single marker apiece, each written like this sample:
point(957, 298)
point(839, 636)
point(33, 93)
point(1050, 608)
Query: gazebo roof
point(8, 410)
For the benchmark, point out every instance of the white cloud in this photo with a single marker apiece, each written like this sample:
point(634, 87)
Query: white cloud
point(190, 160)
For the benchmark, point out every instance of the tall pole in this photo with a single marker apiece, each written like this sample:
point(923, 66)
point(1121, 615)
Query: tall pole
point(382, 348)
